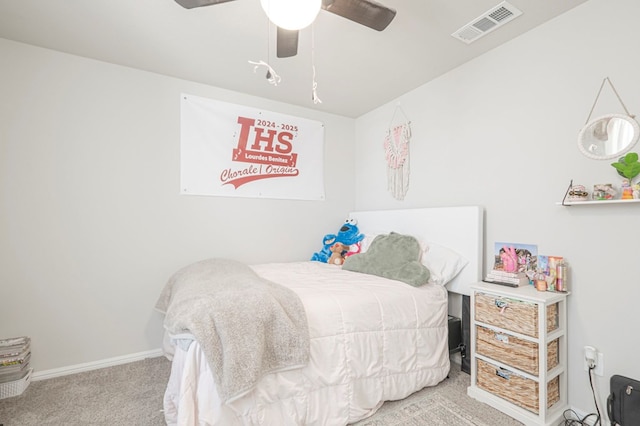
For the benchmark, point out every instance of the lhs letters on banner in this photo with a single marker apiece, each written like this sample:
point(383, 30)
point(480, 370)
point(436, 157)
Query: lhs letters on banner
point(233, 150)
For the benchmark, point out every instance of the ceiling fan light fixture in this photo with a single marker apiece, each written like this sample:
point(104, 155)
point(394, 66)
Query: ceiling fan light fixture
point(291, 14)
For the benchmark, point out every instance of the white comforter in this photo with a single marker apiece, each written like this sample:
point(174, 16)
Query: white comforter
point(372, 340)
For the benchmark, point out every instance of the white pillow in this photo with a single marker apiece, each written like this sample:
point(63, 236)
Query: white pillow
point(366, 241)
point(443, 263)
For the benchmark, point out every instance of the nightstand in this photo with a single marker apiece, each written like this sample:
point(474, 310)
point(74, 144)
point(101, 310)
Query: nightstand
point(519, 351)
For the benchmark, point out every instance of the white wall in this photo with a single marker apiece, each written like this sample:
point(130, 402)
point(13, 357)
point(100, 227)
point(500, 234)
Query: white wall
point(501, 131)
point(91, 220)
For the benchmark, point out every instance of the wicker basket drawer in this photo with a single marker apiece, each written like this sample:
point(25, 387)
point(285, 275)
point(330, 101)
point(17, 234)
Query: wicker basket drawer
point(512, 314)
point(519, 353)
point(515, 388)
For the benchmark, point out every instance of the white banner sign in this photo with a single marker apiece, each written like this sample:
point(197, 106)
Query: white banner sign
point(237, 151)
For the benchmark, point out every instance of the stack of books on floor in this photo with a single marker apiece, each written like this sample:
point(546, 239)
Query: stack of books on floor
point(512, 279)
point(15, 374)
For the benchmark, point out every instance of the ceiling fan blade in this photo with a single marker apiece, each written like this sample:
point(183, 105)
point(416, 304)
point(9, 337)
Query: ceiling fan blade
point(365, 12)
point(286, 43)
point(190, 4)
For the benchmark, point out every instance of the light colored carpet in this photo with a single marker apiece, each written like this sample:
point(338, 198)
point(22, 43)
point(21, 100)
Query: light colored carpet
point(131, 395)
point(431, 409)
point(446, 404)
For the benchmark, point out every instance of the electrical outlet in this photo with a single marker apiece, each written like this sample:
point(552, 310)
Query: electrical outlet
point(592, 355)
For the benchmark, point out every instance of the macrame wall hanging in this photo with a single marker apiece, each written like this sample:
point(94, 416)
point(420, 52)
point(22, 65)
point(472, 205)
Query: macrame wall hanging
point(396, 150)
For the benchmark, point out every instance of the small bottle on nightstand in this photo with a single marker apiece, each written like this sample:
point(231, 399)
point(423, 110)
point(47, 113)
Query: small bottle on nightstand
point(561, 277)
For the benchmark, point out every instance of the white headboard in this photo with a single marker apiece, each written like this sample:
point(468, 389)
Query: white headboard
point(458, 228)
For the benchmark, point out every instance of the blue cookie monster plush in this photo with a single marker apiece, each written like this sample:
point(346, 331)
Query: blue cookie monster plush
point(348, 234)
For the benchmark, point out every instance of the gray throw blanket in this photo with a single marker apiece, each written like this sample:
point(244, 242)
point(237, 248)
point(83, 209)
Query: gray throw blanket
point(247, 326)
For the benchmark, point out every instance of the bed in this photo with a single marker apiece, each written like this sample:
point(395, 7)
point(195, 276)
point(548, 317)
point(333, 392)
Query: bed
point(369, 339)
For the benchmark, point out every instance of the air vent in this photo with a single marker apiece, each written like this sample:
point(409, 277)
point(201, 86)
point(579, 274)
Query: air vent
point(487, 22)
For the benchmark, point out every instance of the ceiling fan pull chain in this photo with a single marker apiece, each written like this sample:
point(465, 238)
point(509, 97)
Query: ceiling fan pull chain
point(272, 76)
point(314, 85)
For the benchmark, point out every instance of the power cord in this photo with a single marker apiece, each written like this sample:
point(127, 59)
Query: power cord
point(595, 400)
point(577, 421)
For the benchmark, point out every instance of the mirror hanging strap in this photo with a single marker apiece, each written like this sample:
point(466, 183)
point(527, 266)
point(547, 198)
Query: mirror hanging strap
point(606, 79)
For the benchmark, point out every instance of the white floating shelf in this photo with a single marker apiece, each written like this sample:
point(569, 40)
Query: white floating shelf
point(591, 202)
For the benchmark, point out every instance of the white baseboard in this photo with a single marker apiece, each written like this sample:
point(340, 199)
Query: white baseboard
point(95, 365)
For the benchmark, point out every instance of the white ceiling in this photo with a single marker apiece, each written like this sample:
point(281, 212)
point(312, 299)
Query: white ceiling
point(357, 69)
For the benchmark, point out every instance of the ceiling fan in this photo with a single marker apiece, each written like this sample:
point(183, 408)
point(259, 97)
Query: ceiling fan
point(364, 12)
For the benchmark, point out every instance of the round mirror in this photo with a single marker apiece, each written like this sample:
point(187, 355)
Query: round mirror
point(608, 136)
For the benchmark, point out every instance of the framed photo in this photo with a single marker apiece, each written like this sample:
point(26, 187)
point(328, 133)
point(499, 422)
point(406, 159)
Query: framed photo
point(527, 255)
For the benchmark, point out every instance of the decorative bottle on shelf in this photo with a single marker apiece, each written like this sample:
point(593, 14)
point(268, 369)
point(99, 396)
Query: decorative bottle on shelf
point(561, 276)
point(540, 281)
point(627, 190)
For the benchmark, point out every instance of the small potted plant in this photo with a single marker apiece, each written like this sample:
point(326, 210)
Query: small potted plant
point(628, 167)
